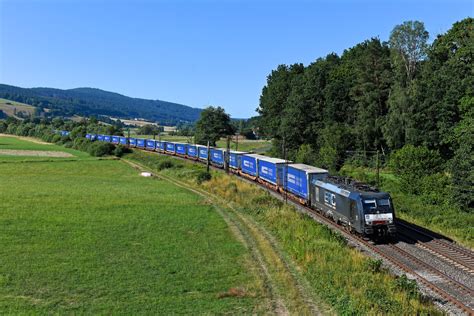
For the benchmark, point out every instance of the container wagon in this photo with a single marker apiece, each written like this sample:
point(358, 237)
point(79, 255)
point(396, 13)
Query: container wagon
point(100, 138)
point(297, 179)
point(123, 141)
point(192, 152)
point(170, 148)
point(248, 166)
point(235, 159)
point(180, 149)
point(217, 157)
point(150, 144)
point(132, 142)
point(161, 146)
point(270, 170)
point(141, 143)
point(202, 153)
point(107, 138)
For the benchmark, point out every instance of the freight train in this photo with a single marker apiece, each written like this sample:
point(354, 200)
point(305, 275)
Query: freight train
point(361, 209)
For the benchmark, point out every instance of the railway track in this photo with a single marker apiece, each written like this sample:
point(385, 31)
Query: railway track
point(446, 289)
point(438, 246)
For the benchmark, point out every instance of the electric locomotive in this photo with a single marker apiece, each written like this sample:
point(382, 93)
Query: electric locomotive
point(362, 209)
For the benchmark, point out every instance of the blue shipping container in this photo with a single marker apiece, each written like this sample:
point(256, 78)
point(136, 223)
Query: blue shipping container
point(270, 169)
point(93, 137)
point(115, 139)
point(132, 142)
point(202, 152)
point(123, 141)
point(141, 143)
point(170, 147)
point(162, 146)
point(150, 144)
point(249, 164)
point(88, 136)
point(100, 138)
point(298, 178)
point(180, 148)
point(235, 158)
point(107, 138)
point(192, 151)
point(217, 156)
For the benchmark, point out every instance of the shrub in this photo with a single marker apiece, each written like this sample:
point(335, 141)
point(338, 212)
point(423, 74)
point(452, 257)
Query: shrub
point(305, 154)
point(68, 144)
point(203, 176)
point(165, 164)
point(435, 189)
point(408, 285)
point(56, 138)
point(412, 164)
point(99, 149)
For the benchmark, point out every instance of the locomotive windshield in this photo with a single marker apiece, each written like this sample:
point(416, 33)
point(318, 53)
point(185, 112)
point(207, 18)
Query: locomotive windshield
point(374, 206)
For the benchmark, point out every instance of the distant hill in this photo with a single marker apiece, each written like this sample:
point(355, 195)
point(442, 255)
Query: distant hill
point(91, 101)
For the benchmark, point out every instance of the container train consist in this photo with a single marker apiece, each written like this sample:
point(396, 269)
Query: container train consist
point(359, 208)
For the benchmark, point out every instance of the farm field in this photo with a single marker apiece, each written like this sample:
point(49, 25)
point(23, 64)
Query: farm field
point(10, 107)
point(18, 148)
point(92, 236)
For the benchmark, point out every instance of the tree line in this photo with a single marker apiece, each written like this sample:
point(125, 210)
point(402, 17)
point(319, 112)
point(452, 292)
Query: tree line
point(380, 96)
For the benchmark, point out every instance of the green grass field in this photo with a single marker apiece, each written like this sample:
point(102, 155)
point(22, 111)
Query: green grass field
point(93, 237)
point(16, 143)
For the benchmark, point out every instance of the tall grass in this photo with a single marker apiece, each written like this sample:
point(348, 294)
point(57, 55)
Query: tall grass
point(345, 279)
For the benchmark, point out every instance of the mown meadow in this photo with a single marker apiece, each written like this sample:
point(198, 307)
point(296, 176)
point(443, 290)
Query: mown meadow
point(93, 237)
point(15, 143)
point(342, 277)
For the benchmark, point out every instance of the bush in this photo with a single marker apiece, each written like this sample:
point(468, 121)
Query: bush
point(165, 164)
point(56, 138)
point(412, 164)
point(99, 149)
point(120, 150)
point(203, 176)
point(68, 144)
point(435, 189)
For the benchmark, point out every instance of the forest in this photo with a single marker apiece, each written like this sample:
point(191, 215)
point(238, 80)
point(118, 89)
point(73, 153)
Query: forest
point(407, 101)
point(100, 103)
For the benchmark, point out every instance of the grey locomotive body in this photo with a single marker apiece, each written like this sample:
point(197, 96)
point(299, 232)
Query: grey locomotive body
point(361, 209)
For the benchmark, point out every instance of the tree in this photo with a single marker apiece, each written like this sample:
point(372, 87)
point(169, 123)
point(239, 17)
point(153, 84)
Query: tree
point(409, 41)
point(213, 124)
point(150, 129)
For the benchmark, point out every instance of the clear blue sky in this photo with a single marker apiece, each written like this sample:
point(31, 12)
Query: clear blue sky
point(194, 52)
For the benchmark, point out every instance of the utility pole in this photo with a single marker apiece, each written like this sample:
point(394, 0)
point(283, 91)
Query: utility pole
point(378, 169)
point(128, 138)
point(286, 168)
point(237, 141)
point(227, 156)
point(208, 156)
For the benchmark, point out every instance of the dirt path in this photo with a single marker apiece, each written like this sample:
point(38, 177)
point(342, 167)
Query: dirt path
point(34, 153)
point(288, 293)
point(29, 139)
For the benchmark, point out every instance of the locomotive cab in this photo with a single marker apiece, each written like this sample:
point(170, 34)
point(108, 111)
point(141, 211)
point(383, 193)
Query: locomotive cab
point(378, 215)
